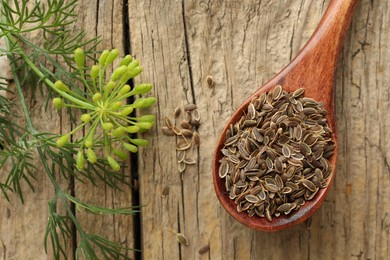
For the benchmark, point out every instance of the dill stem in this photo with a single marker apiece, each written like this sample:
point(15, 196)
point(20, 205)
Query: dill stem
point(39, 73)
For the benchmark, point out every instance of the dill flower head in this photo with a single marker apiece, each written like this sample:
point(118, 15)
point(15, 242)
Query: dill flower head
point(107, 115)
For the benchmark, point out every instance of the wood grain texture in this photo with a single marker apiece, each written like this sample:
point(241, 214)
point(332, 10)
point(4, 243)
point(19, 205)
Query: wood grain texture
point(105, 18)
point(241, 45)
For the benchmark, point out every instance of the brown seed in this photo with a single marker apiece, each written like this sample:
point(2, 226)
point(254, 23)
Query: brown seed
point(204, 249)
point(262, 194)
point(308, 184)
point(271, 187)
point(210, 81)
point(177, 112)
point(268, 214)
point(278, 165)
point(189, 107)
point(251, 112)
point(185, 124)
point(277, 91)
point(298, 92)
point(196, 138)
point(176, 130)
point(168, 122)
point(167, 131)
point(232, 140)
point(284, 207)
point(165, 192)
point(186, 133)
point(277, 154)
point(252, 198)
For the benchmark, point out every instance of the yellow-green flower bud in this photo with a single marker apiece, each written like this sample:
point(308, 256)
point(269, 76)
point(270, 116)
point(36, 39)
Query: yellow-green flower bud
point(63, 140)
point(121, 154)
point(58, 103)
point(107, 89)
point(130, 147)
point(126, 60)
point(89, 141)
point(85, 118)
point(146, 118)
point(94, 72)
point(119, 132)
point(103, 58)
point(140, 142)
point(144, 125)
point(144, 102)
point(136, 71)
point(112, 56)
point(132, 129)
point(61, 86)
point(116, 106)
point(91, 156)
point(80, 160)
point(133, 64)
point(127, 111)
point(79, 57)
point(107, 126)
point(96, 97)
point(118, 73)
point(142, 88)
point(114, 164)
point(125, 77)
point(125, 89)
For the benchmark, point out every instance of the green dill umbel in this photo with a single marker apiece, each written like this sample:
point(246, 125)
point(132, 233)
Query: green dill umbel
point(96, 102)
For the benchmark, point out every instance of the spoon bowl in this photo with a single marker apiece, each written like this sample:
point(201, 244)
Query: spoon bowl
point(312, 69)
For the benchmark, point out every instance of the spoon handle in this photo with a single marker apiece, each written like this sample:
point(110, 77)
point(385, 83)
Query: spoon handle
point(322, 50)
point(315, 65)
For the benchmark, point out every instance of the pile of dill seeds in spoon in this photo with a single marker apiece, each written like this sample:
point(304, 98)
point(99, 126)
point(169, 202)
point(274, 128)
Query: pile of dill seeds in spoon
point(276, 157)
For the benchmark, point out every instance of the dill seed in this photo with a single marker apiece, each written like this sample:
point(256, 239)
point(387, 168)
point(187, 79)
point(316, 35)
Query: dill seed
point(276, 157)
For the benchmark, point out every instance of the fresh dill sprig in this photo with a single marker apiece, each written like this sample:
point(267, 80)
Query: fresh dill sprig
point(70, 84)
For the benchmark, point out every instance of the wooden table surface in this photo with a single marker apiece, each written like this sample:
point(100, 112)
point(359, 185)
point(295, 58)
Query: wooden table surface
point(239, 45)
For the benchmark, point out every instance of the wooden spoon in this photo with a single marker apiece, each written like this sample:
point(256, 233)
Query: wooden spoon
point(313, 69)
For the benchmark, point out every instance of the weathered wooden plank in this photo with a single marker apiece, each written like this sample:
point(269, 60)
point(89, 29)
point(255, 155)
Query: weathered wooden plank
point(105, 19)
point(23, 225)
point(241, 44)
point(158, 41)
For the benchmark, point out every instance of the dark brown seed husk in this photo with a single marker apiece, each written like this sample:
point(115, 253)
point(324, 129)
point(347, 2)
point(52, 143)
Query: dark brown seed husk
point(196, 138)
point(204, 249)
point(185, 124)
point(210, 81)
point(177, 112)
point(308, 184)
point(167, 131)
point(187, 133)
